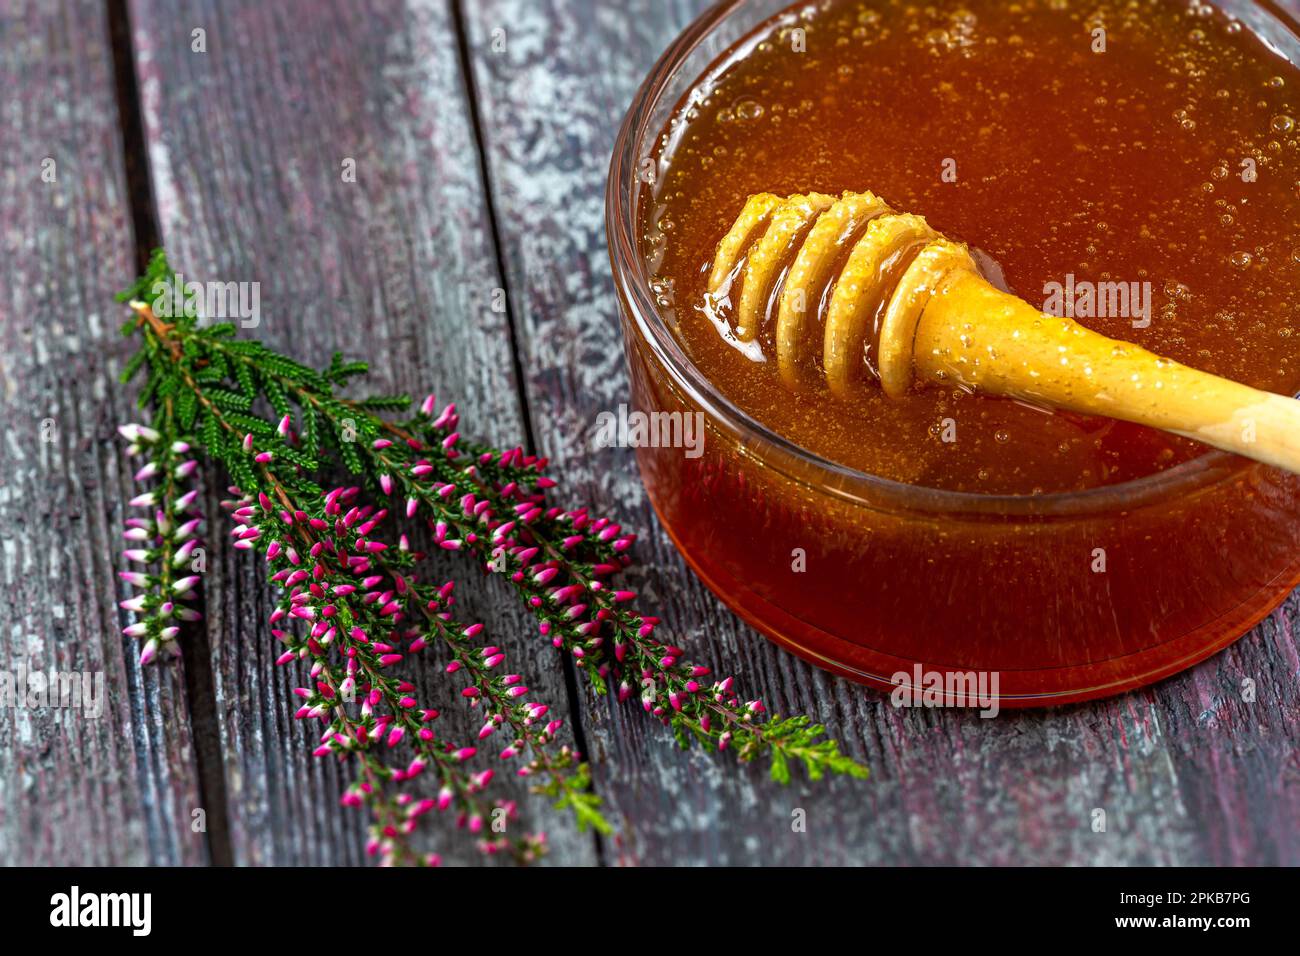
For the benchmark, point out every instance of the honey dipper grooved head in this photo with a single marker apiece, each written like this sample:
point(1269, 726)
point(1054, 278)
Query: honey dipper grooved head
point(774, 267)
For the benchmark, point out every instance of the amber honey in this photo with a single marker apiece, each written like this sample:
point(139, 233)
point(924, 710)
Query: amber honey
point(1073, 146)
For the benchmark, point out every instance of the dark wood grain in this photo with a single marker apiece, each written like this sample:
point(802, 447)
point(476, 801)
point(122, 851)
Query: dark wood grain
point(246, 146)
point(1187, 771)
point(74, 789)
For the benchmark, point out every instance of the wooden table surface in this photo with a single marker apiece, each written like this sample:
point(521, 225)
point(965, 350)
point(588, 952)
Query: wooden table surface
point(478, 169)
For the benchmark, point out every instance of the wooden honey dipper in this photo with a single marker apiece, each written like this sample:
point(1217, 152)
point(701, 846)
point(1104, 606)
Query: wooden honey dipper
point(912, 306)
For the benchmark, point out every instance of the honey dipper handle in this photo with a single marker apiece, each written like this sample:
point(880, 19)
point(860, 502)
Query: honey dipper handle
point(971, 333)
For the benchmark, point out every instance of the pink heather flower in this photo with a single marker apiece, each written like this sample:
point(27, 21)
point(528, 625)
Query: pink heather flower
point(141, 434)
point(283, 428)
point(464, 753)
point(150, 649)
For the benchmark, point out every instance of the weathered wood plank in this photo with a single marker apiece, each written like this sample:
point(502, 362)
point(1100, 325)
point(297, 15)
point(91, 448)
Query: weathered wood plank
point(1187, 772)
point(117, 788)
point(248, 142)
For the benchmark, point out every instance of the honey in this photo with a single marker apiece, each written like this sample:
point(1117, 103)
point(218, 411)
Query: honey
point(1078, 149)
point(1130, 146)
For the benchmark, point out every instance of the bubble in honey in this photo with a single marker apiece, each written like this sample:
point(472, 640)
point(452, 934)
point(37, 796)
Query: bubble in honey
point(747, 110)
point(1275, 82)
point(1240, 259)
point(1002, 436)
point(1282, 123)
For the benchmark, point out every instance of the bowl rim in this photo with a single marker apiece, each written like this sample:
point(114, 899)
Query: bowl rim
point(632, 282)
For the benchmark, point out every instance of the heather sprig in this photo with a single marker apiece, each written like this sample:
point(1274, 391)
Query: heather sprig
point(351, 621)
point(493, 503)
point(164, 542)
point(357, 604)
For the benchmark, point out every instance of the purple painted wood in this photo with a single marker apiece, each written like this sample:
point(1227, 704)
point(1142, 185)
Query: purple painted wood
point(249, 146)
point(1188, 772)
point(117, 786)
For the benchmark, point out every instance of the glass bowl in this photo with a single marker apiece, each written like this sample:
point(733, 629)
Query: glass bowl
point(1042, 600)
